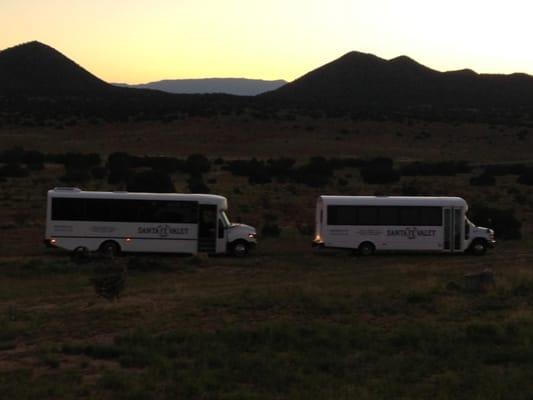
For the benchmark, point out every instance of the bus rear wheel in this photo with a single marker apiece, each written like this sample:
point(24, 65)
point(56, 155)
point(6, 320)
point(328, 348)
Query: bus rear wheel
point(366, 249)
point(110, 249)
point(80, 255)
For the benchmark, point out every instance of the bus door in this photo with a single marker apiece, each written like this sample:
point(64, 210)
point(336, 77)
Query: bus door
point(207, 228)
point(453, 229)
point(222, 233)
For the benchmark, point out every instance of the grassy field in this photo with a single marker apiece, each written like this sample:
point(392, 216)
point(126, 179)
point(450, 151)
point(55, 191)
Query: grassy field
point(283, 323)
point(286, 322)
point(297, 136)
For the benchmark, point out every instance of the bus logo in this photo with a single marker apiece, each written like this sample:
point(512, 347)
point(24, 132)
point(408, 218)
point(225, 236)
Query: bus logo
point(162, 230)
point(411, 233)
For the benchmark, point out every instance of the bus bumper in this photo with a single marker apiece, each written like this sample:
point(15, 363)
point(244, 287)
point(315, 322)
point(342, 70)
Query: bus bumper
point(491, 244)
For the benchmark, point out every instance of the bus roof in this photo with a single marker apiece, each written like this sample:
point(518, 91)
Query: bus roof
point(394, 201)
point(221, 201)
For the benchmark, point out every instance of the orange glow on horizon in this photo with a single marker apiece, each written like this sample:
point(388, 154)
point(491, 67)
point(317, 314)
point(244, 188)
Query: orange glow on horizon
point(138, 41)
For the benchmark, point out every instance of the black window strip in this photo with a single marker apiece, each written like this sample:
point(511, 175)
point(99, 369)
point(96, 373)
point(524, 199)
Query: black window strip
point(124, 210)
point(385, 215)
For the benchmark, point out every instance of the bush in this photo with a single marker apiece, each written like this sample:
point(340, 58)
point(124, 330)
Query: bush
point(271, 229)
point(99, 172)
point(379, 171)
point(442, 168)
point(151, 181)
point(34, 160)
point(505, 224)
point(526, 178)
point(119, 165)
point(197, 164)
point(280, 167)
point(14, 155)
point(164, 164)
point(411, 189)
point(75, 175)
point(342, 182)
point(13, 170)
point(17, 155)
point(244, 167)
point(259, 172)
point(505, 169)
point(484, 179)
point(197, 185)
point(316, 173)
point(260, 177)
point(81, 160)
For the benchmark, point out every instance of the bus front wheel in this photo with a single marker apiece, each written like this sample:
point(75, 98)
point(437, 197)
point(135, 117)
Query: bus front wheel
point(479, 247)
point(239, 248)
point(366, 249)
point(110, 249)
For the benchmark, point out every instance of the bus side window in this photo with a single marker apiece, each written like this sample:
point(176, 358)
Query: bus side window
point(467, 230)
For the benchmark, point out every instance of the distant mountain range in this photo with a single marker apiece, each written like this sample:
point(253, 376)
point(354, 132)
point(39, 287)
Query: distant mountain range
point(235, 86)
point(33, 71)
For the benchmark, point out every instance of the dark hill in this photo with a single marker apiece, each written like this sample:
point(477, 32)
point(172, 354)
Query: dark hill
point(37, 79)
point(37, 69)
point(364, 80)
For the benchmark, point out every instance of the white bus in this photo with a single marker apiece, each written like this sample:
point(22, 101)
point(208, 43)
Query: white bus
point(369, 224)
point(114, 222)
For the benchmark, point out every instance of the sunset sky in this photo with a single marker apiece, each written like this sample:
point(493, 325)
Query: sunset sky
point(138, 41)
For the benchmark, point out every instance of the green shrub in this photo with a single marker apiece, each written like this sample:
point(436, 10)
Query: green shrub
point(271, 229)
point(484, 179)
point(150, 181)
point(504, 222)
point(196, 184)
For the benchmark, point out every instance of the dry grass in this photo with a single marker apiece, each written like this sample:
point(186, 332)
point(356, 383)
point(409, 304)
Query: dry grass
point(244, 136)
point(285, 322)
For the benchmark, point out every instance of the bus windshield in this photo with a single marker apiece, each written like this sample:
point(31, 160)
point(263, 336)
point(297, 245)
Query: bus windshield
point(225, 219)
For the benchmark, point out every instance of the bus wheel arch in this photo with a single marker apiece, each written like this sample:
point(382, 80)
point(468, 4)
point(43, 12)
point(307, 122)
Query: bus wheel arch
point(80, 254)
point(109, 249)
point(366, 248)
point(479, 246)
point(239, 248)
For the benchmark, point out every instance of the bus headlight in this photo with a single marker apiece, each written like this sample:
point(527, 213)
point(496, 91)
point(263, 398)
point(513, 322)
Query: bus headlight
point(50, 242)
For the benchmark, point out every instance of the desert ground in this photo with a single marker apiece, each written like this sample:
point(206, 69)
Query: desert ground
point(287, 321)
point(297, 136)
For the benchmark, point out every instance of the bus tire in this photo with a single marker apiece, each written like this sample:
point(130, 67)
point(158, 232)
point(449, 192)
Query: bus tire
point(80, 255)
point(366, 249)
point(110, 249)
point(239, 248)
point(478, 247)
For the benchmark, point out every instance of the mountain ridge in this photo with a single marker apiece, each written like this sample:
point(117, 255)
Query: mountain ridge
point(234, 86)
point(361, 79)
point(355, 81)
